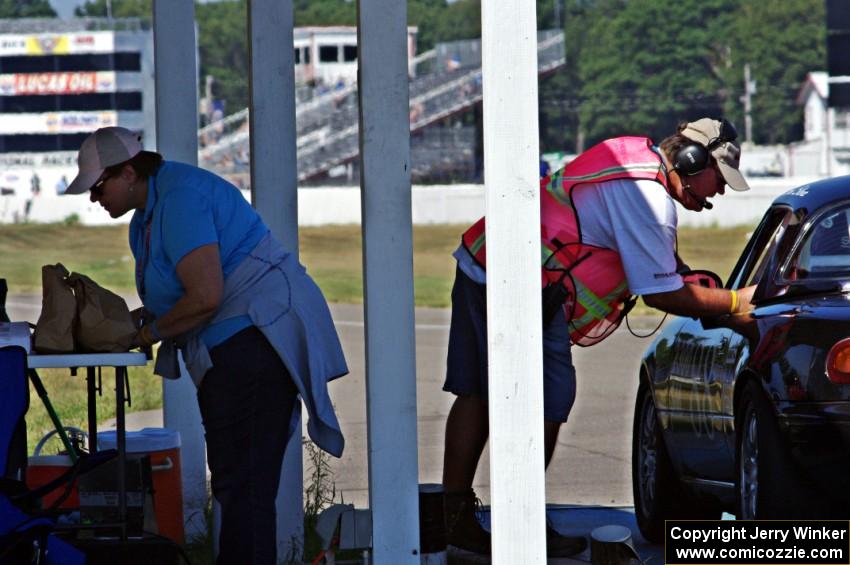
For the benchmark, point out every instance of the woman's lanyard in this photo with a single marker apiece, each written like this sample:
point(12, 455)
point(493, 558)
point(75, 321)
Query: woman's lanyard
point(142, 264)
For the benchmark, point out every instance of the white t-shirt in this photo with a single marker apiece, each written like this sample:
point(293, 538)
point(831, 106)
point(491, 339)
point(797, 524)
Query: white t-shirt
point(635, 218)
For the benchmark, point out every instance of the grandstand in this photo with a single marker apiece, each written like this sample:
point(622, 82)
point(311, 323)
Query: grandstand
point(446, 82)
point(60, 79)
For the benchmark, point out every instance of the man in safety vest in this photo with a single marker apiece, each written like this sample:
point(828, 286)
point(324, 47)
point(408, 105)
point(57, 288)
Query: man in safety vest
point(608, 227)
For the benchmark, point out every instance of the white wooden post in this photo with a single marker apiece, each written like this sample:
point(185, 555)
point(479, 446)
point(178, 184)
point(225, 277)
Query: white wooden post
point(388, 280)
point(175, 67)
point(274, 192)
point(514, 330)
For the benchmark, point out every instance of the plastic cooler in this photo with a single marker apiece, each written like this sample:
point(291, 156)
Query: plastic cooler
point(41, 469)
point(163, 446)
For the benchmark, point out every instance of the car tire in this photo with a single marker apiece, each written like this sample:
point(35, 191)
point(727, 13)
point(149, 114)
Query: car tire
point(658, 493)
point(768, 485)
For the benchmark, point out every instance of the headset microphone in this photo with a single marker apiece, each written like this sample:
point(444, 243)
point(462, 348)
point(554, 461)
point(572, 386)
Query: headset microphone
point(702, 202)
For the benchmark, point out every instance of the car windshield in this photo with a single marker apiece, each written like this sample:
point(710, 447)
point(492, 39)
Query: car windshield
point(825, 253)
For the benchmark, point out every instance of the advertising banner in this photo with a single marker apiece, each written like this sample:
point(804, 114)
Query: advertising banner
point(35, 160)
point(57, 43)
point(22, 84)
point(57, 122)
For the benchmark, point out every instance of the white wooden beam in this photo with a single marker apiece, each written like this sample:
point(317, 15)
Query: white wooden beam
point(388, 280)
point(274, 174)
point(175, 68)
point(514, 331)
point(274, 192)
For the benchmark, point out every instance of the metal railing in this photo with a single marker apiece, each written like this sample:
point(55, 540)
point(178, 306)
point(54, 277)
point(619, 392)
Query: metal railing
point(327, 125)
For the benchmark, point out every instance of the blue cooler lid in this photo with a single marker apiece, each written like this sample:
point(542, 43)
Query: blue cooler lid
point(146, 440)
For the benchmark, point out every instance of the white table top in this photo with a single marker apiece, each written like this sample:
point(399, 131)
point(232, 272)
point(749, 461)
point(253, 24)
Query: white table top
point(65, 360)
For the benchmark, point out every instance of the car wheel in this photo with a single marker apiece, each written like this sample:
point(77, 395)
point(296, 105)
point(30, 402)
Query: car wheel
point(658, 493)
point(747, 486)
point(768, 484)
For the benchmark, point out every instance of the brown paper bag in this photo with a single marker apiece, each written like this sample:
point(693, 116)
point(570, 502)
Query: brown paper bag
point(104, 324)
point(54, 330)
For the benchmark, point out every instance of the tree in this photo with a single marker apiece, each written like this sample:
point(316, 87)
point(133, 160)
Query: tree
point(120, 9)
point(560, 92)
point(425, 15)
point(643, 66)
point(222, 42)
point(781, 40)
point(460, 20)
point(26, 9)
point(640, 77)
point(631, 67)
point(223, 46)
point(325, 12)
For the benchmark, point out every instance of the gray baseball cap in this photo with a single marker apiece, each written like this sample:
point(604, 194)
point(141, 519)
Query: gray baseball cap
point(720, 138)
point(104, 148)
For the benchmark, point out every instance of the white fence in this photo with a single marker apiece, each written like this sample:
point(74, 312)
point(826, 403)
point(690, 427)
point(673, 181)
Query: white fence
point(447, 204)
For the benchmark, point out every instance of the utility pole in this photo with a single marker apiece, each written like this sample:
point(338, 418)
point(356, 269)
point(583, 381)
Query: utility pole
point(557, 6)
point(749, 90)
point(208, 96)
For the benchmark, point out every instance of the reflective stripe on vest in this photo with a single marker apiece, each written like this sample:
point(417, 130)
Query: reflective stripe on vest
point(593, 276)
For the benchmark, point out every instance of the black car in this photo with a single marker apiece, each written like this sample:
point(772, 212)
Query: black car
point(750, 414)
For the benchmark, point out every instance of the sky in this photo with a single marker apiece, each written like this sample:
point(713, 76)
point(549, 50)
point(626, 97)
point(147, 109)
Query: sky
point(65, 8)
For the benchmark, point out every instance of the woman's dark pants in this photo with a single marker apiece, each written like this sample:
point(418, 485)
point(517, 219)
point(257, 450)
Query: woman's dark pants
point(246, 402)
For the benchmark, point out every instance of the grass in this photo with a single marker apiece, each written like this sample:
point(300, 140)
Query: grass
point(102, 253)
point(332, 254)
point(714, 249)
point(67, 394)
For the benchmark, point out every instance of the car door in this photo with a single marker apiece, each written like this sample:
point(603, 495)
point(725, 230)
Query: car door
point(705, 364)
point(700, 369)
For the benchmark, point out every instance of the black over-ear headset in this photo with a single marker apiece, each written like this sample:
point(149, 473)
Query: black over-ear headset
point(692, 158)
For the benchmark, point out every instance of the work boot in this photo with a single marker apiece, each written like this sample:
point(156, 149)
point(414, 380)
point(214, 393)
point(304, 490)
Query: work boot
point(463, 530)
point(558, 545)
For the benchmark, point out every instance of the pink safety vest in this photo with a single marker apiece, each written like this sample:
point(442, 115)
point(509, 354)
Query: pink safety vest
point(592, 278)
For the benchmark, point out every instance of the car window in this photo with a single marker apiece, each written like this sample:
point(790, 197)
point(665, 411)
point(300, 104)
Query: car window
point(763, 245)
point(825, 251)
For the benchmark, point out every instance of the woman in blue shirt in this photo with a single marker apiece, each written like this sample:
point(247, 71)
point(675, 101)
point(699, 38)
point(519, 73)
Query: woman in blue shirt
point(254, 330)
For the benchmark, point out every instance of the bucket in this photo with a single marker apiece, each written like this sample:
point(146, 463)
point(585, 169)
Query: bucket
point(163, 446)
point(612, 545)
point(41, 469)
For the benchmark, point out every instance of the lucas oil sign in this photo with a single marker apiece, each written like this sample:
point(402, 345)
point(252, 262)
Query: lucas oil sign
point(22, 84)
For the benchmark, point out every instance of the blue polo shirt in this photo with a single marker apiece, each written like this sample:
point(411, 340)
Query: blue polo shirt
point(188, 207)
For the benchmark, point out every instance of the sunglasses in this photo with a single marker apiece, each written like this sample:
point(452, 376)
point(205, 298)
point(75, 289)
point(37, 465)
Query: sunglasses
point(97, 188)
point(727, 133)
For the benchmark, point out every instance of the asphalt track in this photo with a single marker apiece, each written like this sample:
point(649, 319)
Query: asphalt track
point(592, 461)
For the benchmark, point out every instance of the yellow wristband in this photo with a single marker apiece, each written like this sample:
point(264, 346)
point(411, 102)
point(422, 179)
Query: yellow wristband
point(734, 307)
